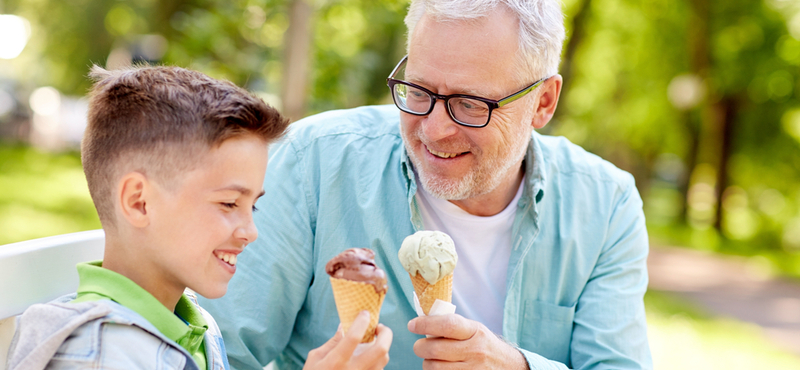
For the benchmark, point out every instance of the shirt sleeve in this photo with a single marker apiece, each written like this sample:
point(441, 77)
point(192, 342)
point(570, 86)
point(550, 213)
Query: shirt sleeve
point(610, 327)
point(538, 362)
point(258, 312)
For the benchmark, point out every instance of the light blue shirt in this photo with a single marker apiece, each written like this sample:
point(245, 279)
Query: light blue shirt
point(341, 179)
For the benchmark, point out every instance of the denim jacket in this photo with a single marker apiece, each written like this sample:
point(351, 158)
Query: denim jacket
point(342, 179)
point(102, 335)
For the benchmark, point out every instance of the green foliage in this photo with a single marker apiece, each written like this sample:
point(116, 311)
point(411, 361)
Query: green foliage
point(63, 47)
point(357, 43)
point(745, 54)
point(234, 40)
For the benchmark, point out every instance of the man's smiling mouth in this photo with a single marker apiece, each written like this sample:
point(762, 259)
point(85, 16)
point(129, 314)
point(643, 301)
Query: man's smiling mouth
point(442, 154)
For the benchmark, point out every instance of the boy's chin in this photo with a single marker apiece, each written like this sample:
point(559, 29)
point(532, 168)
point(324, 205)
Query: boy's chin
point(212, 293)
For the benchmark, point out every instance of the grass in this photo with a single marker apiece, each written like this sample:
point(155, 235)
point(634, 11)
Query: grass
point(682, 336)
point(42, 195)
point(46, 194)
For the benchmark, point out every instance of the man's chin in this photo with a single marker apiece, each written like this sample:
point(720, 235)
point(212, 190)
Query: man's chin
point(446, 189)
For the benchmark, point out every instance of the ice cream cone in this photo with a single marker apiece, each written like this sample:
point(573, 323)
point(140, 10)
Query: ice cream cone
point(428, 293)
point(353, 297)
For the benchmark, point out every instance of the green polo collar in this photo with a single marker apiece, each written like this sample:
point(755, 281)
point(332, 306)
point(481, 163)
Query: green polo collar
point(186, 326)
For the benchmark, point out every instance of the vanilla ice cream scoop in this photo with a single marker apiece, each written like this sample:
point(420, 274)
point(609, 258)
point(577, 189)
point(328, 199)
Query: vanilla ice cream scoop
point(432, 254)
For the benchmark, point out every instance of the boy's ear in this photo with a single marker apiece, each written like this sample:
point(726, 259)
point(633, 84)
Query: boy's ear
point(133, 192)
point(548, 100)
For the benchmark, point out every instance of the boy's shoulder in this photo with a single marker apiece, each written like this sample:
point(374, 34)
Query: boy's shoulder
point(80, 334)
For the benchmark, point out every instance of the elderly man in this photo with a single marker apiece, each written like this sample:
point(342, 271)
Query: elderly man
point(551, 240)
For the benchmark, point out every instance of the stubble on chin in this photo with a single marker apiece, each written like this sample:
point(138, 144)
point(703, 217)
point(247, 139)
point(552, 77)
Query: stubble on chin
point(478, 181)
point(443, 187)
point(447, 189)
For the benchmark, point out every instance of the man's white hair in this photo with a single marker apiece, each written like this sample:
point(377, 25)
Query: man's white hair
point(541, 27)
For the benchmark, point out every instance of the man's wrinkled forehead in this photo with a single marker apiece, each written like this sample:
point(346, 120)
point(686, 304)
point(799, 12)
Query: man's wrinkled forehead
point(437, 62)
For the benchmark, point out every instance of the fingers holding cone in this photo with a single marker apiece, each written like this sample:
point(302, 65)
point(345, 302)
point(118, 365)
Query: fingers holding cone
point(353, 297)
point(345, 351)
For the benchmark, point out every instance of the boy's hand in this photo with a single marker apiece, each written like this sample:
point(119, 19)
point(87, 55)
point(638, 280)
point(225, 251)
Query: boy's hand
point(344, 351)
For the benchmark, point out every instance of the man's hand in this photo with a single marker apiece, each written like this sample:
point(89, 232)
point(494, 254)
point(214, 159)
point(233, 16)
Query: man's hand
point(344, 351)
point(458, 343)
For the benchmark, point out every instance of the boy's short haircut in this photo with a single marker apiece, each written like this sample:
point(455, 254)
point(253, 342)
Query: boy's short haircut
point(159, 121)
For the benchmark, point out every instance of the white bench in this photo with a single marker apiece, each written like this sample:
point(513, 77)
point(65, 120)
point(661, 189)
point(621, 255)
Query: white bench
point(40, 270)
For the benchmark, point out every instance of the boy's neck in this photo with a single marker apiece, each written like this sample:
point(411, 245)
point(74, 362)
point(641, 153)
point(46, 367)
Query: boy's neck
point(118, 258)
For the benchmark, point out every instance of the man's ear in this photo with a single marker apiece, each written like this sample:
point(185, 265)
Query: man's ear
point(133, 190)
point(548, 100)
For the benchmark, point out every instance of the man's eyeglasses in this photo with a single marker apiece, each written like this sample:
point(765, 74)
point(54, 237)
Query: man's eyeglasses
point(466, 110)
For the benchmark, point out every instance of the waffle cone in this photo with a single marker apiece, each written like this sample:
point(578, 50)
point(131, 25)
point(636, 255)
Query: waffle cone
point(353, 297)
point(428, 293)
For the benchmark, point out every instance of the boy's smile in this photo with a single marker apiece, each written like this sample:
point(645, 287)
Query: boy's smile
point(199, 223)
point(228, 257)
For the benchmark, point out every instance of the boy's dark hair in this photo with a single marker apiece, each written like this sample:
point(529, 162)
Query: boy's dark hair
point(159, 121)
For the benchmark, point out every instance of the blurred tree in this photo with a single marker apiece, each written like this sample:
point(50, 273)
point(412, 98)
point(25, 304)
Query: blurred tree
point(347, 54)
point(296, 59)
point(698, 99)
point(713, 84)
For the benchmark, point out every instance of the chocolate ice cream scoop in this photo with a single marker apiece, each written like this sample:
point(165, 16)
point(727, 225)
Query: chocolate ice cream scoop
point(357, 264)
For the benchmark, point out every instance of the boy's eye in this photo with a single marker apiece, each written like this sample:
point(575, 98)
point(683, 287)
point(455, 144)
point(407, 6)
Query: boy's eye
point(229, 205)
point(255, 209)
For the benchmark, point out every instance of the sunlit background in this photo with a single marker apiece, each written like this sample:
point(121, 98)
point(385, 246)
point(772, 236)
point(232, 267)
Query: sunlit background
point(698, 99)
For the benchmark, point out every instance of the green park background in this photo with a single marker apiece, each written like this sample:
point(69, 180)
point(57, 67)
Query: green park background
point(698, 99)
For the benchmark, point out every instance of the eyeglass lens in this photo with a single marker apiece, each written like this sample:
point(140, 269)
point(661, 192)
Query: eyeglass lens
point(464, 110)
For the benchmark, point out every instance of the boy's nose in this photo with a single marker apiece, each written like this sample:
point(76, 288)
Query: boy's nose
point(247, 231)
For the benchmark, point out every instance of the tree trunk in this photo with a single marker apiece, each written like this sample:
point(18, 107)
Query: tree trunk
point(700, 63)
point(692, 127)
point(579, 20)
point(728, 116)
point(296, 58)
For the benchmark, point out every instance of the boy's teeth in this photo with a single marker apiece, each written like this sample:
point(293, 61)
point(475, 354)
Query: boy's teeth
point(229, 258)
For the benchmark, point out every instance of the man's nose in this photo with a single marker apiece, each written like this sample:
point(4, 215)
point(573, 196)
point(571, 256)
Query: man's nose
point(438, 124)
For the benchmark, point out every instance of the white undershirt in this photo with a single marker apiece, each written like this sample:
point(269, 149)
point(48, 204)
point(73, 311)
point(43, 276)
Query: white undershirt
point(484, 248)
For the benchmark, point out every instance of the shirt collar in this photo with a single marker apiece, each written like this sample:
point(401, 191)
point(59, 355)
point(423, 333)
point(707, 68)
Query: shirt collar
point(408, 172)
point(535, 169)
point(186, 326)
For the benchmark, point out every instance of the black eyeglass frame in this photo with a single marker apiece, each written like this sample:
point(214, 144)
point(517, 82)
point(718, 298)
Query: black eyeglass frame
point(491, 103)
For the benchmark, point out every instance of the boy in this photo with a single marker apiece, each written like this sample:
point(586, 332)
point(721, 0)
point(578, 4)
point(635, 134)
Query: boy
point(175, 162)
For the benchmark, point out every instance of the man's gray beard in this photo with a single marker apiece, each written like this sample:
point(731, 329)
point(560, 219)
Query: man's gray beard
point(475, 183)
point(458, 189)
